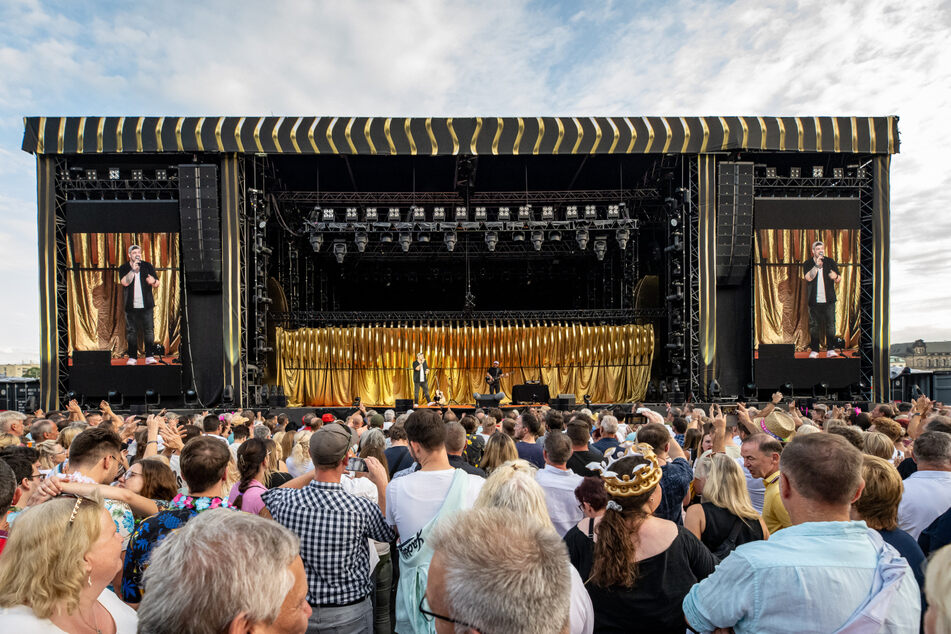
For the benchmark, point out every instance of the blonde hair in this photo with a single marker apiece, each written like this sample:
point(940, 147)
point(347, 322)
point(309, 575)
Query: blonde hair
point(278, 439)
point(878, 444)
point(498, 450)
point(726, 487)
point(878, 504)
point(42, 564)
point(512, 486)
point(66, 436)
point(47, 450)
point(8, 440)
point(301, 451)
point(938, 589)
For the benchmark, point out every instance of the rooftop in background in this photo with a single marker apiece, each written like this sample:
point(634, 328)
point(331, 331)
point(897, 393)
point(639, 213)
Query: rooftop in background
point(931, 347)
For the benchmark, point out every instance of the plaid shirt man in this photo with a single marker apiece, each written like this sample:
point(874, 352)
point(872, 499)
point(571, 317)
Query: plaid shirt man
point(333, 527)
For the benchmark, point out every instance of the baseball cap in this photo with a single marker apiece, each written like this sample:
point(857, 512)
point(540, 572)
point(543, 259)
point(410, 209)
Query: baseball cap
point(376, 420)
point(330, 443)
point(328, 418)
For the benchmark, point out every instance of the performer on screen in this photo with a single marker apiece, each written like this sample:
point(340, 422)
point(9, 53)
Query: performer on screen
point(821, 274)
point(420, 378)
point(139, 278)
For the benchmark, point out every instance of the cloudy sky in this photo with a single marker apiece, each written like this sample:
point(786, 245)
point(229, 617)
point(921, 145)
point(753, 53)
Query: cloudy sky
point(491, 58)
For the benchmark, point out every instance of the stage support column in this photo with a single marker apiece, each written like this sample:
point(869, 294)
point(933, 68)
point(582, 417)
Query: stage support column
point(881, 203)
point(231, 275)
point(707, 246)
point(49, 335)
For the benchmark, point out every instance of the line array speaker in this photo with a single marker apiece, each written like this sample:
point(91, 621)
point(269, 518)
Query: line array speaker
point(734, 222)
point(201, 226)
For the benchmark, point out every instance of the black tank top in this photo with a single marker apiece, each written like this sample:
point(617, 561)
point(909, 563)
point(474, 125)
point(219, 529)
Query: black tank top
point(719, 524)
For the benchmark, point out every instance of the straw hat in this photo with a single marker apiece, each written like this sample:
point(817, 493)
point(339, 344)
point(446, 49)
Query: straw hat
point(779, 425)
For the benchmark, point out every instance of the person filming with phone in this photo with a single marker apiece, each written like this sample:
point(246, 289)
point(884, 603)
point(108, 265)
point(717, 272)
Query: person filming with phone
point(139, 278)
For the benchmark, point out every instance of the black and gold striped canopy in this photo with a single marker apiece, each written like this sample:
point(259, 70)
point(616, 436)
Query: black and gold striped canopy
point(448, 136)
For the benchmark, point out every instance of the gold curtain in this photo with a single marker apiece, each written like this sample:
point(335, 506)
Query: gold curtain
point(96, 305)
point(781, 305)
point(331, 366)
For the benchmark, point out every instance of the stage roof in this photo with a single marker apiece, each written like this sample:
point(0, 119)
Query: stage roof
point(432, 136)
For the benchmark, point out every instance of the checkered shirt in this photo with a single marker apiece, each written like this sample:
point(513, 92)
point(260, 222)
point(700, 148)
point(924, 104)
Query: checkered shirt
point(333, 527)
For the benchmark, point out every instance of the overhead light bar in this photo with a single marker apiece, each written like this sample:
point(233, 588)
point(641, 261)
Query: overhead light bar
point(439, 214)
point(327, 215)
point(548, 213)
point(525, 212)
point(393, 215)
point(372, 214)
point(614, 212)
point(817, 171)
point(590, 212)
point(351, 214)
point(480, 214)
point(571, 212)
point(419, 215)
point(505, 214)
point(462, 214)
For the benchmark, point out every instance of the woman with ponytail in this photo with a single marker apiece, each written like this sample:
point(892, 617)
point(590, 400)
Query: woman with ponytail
point(643, 566)
point(252, 467)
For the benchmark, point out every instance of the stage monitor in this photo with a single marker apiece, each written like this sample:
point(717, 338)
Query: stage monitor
point(806, 292)
point(403, 405)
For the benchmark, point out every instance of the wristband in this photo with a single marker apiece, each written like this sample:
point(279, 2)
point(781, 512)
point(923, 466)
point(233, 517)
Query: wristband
point(151, 441)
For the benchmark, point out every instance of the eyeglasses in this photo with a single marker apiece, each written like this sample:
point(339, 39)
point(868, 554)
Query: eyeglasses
point(432, 615)
point(130, 474)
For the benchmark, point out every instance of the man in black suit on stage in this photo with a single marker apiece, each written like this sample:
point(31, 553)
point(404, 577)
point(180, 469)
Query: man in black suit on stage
point(420, 378)
point(821, 274)
point(139, 278)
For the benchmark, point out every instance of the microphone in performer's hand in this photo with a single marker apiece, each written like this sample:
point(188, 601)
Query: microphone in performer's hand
point(819, 261)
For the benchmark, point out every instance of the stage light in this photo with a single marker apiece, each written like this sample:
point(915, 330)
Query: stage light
point(372, 214)
point(786, 389)
point(462, 214)
point(451, 238)
point(351, 214)
point(72, 395)
point(820, 388)
point(505, 214)
point(675, 385)
point(714, 389)
point(423, 237)
point(152, 397)
point(555, 236)
point(340, 251)
point(860, 172)
point(571, 212)
point(676, 319)
point(817, 171)
point(393, 215)
point(439, 214)
point(548, 213)
point(525, 212)
point(386, 237)
point(623, 235)
point(316, 241)
point(137, 175)
point(590, 212)
point(480, 214)
point(662, 386)
point(838, 172)
point(419, 215)
point(361, 241)
point(491, 239)
point(91, 175)
point(538, 238)
point(191, 398)
point(795, 172)
point(114, 397)
point(227, 395)
point(749, 392)
point(518, 236)
point(674, 221)
point(770, 172)
point(676, 268)
point(406, 239)
point(581, 236)
point(614, 212)
point(113, 173)
point(327, 215)
point(600, 247)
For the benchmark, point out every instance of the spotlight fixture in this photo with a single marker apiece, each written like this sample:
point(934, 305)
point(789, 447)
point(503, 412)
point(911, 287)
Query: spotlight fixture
point(518, 236)
point(386, 237)
point(795, 172)
point(770, 172)
point(715, 389)
point(525, 212)
point(393, 215)
point(361, 241)
point(191, 397)
point(327, 215)
point(423, 237)
point(675, 385)
point(548, 213)
point(91, 175)
point(462, 214)
point(571, 212)
point(113, 173)
point(555, 236)
point(817, 171)
point(137, 175)
point(674, 221)
point(600, 247)
point(152, 397)
point(749, 392)
point(114, 397)
point(491, 239)
point(480, 214)
point(316, 241)
point(351, 214)
point(439, 214)
point(838, 172)
point(419, 215)
point(590, 212)
point(451, 238)
point(614, 212)
point(582, 238)
point(623, 235)
point(538, 237)
point(406, 238)
point(372, 214)
point(787, 389)
point(505, 214)
point(339, 251)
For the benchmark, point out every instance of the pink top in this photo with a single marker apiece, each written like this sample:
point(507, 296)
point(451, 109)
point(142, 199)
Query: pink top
point(251, 502)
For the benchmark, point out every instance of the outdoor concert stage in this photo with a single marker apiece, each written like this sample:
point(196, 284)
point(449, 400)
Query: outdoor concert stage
point(620, 259)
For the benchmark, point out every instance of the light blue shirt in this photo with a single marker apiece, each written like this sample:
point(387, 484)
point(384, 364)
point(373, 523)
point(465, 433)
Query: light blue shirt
point(810, 577)
point(559, 486)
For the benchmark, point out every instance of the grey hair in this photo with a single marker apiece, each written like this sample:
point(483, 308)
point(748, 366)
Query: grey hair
point(933, 447)
point(8, 418)
point(402, 418)
point(373, 438)
point(220, 565)
point(609, 424)
point(817, 243)
point(133, 247)
point(389, 415)
point(528, 561)
point(807, 429)
point(261, 432)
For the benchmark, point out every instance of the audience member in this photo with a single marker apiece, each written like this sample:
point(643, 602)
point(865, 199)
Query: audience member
point(456, 447)
point(559, 483)
point(761, 454)
point(12, 423)
point(298, 463)
point(8, 486)
point(498, 450)
point(592, 500)
point(608, 440)
point(398, 456)
point(937, 619)
point(582, 454)
point(526, 432)
point(676, 471)
point(928, 490)
point(245, 495)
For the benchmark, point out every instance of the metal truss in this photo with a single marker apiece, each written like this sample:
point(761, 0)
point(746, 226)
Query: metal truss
point(409, 199)
point(62, 271)
point(694, 359)
point(76, 188)
point(313, 318)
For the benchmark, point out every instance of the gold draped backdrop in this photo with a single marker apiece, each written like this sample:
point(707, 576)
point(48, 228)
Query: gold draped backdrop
point(781, 305)
point(96, 306)
point(331, 366)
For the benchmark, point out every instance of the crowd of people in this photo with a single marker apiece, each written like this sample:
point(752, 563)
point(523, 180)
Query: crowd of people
point(774, 518)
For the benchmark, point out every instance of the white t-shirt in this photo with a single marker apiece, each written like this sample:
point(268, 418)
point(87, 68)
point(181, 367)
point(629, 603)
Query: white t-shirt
point(581, 611)
point(415, 499)
point(22, 618)
point(820, 288)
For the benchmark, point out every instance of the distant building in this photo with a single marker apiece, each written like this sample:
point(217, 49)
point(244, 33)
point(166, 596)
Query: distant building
point(921, 356)
point(15, 370)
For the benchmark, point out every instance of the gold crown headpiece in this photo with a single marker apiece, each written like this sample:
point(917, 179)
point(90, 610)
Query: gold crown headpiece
point(646, 476)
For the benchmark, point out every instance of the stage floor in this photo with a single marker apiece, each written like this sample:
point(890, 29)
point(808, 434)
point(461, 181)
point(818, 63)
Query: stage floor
point(166, 360)
point(844, 354)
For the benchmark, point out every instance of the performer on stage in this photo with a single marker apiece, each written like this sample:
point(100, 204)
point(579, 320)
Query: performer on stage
point(420, 378)
point(493, 376)
point(821, 299)
point(139, 278)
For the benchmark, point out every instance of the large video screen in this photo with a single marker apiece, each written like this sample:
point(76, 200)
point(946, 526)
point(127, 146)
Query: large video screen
point(123, 297)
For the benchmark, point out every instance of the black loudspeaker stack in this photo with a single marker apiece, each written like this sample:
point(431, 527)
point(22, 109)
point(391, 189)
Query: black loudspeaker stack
point(734, 222)
point(201, 226)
